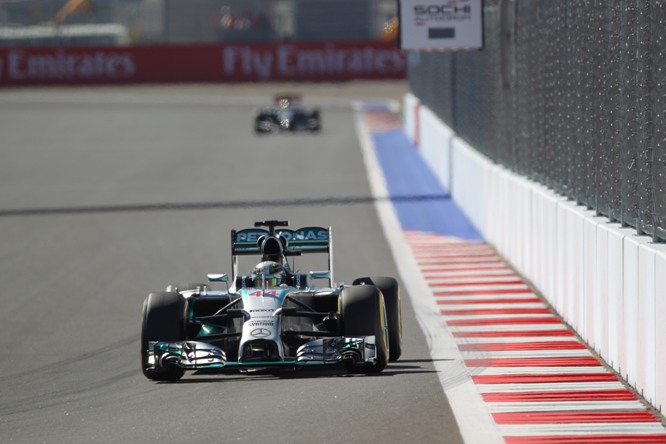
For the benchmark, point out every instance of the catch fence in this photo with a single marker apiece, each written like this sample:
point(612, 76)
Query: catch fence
point(569, 93)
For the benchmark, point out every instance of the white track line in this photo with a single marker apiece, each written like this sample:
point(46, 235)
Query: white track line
point(526, 354)
point(495, 371)
point(572, 406)
point(550, 387)
point(601, 428)
point(507, 327)
point(516, 340)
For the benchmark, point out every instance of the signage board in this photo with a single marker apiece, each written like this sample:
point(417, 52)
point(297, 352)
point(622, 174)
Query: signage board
point(251, 62)
point(448, 25)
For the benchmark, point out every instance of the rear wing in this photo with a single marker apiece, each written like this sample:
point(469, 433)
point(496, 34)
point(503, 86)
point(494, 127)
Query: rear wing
point(306, 240)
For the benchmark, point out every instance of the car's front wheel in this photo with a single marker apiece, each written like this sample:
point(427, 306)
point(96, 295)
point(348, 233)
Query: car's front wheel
point(163, 320)
point(391, 291)
point(363, 314)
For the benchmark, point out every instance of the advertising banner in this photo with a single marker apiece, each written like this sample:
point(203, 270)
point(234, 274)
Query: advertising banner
point(319, 61)
point(448, 25)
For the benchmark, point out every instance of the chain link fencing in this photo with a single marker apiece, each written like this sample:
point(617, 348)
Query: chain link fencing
point(571, 94)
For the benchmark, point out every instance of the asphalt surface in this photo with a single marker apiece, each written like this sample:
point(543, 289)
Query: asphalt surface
point(109, 194)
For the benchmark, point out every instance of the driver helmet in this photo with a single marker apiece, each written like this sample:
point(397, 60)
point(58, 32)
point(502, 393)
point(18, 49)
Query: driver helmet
point(269, 272)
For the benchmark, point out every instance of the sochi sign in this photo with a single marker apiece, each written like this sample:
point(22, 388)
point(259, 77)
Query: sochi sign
point(453, 25)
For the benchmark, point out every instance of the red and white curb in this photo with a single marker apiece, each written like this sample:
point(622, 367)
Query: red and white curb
point(539, 382)
point(475, 423)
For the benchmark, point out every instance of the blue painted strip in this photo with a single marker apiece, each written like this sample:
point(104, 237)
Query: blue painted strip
point(421, 202)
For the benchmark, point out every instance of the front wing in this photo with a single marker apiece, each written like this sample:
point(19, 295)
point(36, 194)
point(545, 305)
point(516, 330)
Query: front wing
point(193, 355)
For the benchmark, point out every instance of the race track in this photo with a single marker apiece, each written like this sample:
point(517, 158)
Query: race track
point(108, 194)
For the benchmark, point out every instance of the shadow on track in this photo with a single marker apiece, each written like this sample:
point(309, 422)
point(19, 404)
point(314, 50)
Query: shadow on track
point(189, 206)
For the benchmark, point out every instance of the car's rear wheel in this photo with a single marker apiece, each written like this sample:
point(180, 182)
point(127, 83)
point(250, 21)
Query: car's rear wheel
point(363, 313)
point(163, 320)
point(391, 291)
point(315, 116)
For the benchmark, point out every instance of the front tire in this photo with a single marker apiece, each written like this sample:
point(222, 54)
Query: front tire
point(363, 313)
point(163, 320)
point(391, 291)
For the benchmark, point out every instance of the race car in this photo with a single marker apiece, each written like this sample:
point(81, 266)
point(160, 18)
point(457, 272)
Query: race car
point(273, 318)
point(287, 114)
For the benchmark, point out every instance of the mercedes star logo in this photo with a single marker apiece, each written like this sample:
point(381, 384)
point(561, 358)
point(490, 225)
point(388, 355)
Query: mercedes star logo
point(260, 332)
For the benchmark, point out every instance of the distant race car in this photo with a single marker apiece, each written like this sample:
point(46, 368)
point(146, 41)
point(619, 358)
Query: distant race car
point(272, 318)
point(287, 114)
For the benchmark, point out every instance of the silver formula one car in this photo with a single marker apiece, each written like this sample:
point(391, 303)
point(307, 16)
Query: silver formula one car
point(287, 114)
point(273, 318)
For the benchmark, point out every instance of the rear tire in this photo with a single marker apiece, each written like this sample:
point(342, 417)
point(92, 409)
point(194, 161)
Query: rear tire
point(363, 314)
point(316, 116)
point(163, 320)
point(391, 291)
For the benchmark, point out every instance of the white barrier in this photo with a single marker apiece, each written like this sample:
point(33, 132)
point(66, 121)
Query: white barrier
point(646, 352)
point(410, 109)
point(589, 322)
point(545, 213)
point(629, 344)
point(469, 182)
point(436, 145)
point(615, 291)
point(599, 338)
point(607, 282)
point(660, 337)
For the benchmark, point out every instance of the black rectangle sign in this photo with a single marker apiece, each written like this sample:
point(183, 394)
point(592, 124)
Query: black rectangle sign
point(441, 33)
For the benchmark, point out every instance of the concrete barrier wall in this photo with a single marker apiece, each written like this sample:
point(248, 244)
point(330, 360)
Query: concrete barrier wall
point(660, 337)
point(409, 118)
point(435, 145)
point(605, 281)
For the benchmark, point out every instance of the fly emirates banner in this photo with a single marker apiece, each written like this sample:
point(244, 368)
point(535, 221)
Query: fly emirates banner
point(202, 63)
